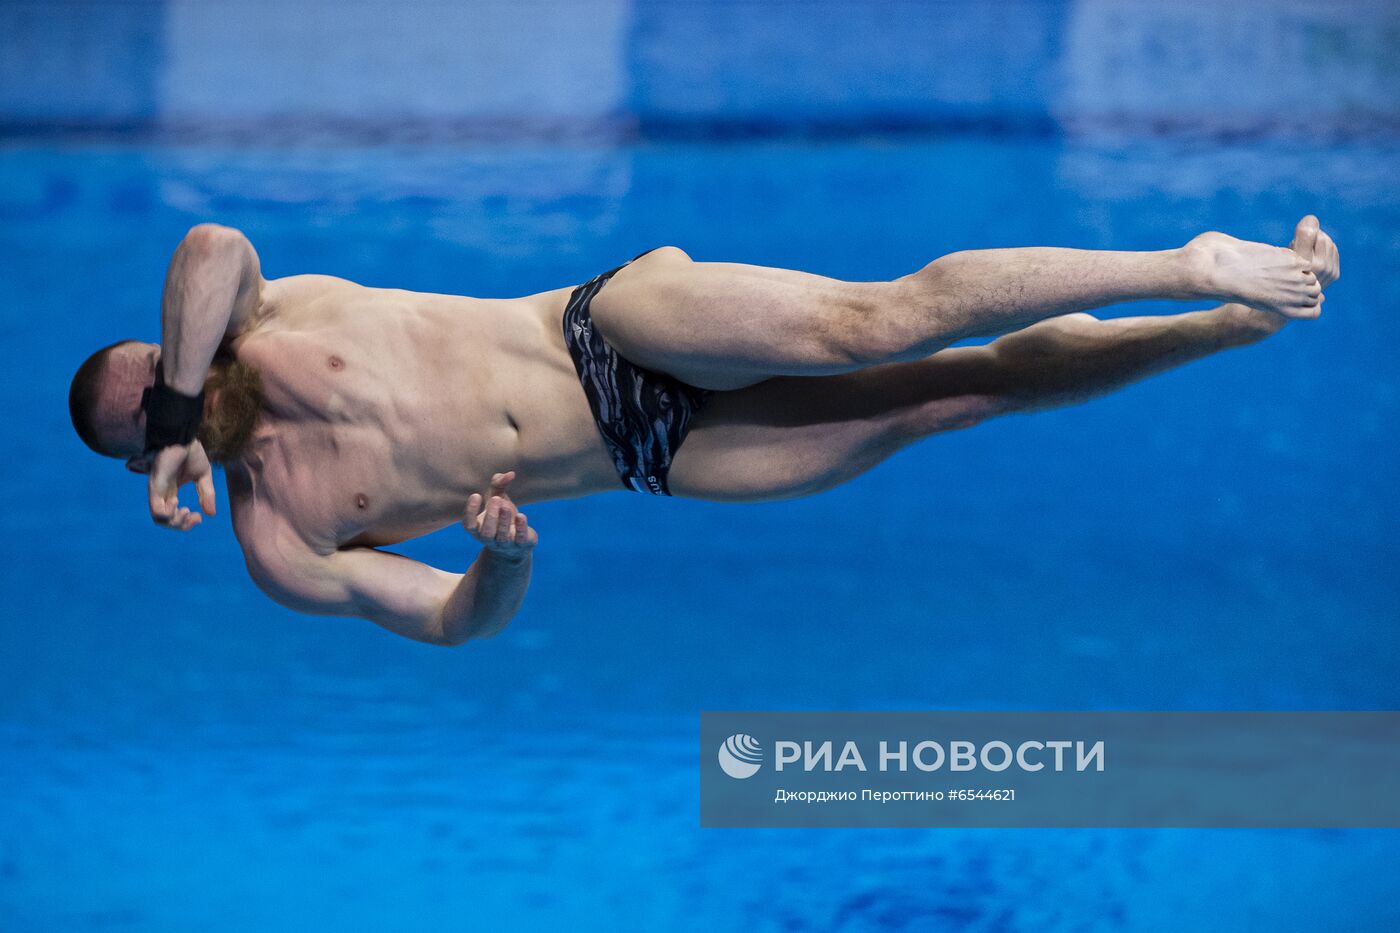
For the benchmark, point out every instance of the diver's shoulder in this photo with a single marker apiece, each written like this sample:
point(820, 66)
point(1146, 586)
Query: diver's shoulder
point(307, 285)
point(283, 299)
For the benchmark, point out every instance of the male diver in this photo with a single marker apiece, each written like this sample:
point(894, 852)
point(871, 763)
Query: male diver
point(350, 418)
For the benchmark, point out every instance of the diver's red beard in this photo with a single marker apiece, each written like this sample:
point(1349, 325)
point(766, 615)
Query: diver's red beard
point(235, 392)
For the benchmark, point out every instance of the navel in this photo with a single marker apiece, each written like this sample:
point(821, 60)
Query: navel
point(336, 362)
point(361, 501)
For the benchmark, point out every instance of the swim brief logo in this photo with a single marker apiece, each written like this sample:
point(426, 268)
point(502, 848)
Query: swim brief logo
point(741, 756)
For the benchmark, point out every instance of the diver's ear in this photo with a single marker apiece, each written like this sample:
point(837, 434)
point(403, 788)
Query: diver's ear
point(139, 464)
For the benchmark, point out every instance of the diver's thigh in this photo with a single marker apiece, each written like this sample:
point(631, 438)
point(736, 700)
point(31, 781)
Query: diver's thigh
point(785, 437)
point(793, 436)
point(727, 325)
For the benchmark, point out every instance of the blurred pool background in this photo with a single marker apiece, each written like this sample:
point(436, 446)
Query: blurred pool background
point(179, 753)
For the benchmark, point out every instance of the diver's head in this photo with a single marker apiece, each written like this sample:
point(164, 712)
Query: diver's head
point(105, 403)
point(104, 399)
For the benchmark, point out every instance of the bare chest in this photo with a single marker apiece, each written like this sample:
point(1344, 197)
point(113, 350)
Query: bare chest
point(370, 435)
point(345, 485)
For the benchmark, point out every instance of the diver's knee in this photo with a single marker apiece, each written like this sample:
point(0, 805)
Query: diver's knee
point(873, 323)
point(952, 414)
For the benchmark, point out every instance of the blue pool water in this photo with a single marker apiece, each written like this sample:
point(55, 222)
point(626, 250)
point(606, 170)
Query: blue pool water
point(179, 753)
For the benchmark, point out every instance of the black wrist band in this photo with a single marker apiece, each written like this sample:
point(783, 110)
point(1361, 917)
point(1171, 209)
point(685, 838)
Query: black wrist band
point(171, 417)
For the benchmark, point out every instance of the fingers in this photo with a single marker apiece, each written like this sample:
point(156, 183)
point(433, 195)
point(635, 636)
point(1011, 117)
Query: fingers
point(505, 522)
point(167, 470)
point(499, 482)
point(493, 519)
point(205, 487)
point(167, 512)
point(478, 506)
point(490, 519)
point(184, 519)
point(164, 500)
point(471, 519)
point(498, 524)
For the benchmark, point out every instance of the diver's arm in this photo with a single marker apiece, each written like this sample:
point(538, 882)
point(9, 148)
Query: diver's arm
point(492, 590)
point(486, 598)
point(212, 291)
point(405, 596)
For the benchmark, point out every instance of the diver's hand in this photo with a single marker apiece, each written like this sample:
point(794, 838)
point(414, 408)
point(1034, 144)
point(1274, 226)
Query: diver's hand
point(494, 521)
point(170, 469)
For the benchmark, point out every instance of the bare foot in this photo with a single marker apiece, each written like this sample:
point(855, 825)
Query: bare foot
point(1270, 278)
point(1312, 244)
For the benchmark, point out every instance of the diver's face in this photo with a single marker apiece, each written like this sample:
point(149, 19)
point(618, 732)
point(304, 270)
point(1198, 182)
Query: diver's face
point(119, 420)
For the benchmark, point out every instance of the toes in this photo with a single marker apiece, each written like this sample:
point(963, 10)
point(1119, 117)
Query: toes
point(1305, 236)
point(1310, 307)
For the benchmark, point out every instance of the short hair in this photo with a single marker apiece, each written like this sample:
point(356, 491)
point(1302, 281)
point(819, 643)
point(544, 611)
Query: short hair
point(85, 393)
